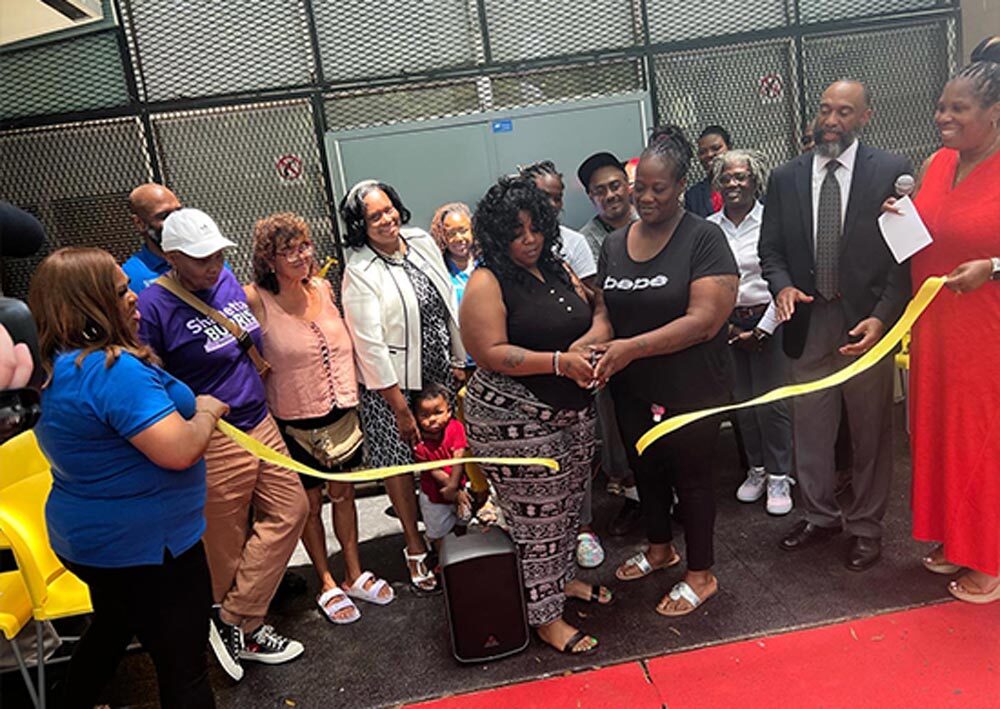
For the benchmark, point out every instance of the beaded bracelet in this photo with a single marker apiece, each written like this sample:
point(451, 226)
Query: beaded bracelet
point(555, 363)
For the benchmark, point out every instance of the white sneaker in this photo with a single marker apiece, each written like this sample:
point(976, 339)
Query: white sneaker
point(779, 494)
point(589, 552)
point(753, 487)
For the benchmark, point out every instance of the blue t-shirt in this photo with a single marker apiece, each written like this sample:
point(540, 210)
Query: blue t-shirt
point(460, 279)
point(203, 354)
point(110, 505)
point(142, 268)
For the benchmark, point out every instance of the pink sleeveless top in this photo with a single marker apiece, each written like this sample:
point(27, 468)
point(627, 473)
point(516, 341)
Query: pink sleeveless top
point(312, 361)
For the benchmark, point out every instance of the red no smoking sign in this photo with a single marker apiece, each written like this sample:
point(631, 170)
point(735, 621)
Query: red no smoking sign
point(289, 167)
point(770, 86)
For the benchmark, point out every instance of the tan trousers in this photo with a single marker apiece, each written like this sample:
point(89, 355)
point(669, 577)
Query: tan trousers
point(247, 564)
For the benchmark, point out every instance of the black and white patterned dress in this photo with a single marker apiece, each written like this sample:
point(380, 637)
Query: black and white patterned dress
point(383, 446)
point(541, 506)
point(539, 415)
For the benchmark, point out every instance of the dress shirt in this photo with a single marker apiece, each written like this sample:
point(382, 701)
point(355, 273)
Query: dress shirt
point(844, 174)
point(743, 240)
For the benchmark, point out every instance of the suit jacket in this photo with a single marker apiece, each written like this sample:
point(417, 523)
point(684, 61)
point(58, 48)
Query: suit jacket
point(871, 282)
point(382, 312)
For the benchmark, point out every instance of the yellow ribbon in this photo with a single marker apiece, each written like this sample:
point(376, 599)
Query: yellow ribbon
point(928, 291)
point(327, 265)
point(272, 456)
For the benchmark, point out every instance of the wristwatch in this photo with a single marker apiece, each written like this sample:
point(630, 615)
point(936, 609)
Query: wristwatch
point(995, 275)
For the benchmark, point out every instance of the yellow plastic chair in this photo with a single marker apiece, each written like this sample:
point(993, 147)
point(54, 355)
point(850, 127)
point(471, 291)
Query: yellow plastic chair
point(20, 458)
point(52, 590)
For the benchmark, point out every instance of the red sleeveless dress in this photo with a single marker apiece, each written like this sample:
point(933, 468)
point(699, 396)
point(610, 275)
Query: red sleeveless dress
point(955, 370)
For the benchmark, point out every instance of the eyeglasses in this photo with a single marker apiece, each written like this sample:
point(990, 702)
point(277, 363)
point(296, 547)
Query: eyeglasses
point(738, 178)
point(603, 190)
point(296, 254)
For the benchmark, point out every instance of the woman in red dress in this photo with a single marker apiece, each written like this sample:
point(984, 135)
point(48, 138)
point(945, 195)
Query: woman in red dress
point(955, 390)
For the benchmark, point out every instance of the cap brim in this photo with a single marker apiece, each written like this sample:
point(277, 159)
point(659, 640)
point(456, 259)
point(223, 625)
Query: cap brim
point(207, 247)
point(594, 163)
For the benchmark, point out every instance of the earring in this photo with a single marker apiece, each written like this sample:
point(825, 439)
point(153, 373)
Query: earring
point(91, 332)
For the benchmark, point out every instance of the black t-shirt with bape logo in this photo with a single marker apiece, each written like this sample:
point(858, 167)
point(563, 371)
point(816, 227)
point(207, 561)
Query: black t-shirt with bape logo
point(643, 296)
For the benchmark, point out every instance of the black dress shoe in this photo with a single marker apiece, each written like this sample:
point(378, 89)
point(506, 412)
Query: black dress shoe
point(865, 551)
point(626, 520)
point(806, 534)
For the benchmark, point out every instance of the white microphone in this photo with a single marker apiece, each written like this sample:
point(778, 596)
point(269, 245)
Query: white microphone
point(905, 185)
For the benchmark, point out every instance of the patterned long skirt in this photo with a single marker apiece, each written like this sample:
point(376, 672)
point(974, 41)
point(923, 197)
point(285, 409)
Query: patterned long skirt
point(541, 506)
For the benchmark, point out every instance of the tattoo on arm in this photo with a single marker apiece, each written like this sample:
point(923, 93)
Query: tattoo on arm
point(642, 343)
point(513, 358)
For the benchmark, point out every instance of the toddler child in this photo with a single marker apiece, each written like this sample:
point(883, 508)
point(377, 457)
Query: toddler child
point(443, 499)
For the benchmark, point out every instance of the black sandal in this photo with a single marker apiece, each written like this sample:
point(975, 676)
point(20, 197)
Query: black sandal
point(578, 637)
point(595, 595)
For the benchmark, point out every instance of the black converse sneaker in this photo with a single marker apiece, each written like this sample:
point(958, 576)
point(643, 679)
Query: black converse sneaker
point(227, 642)
point(265, 645)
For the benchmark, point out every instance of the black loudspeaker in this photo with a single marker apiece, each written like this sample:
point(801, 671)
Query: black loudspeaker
point(484, 595)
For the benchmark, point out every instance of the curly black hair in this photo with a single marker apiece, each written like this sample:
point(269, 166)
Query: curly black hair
point(495, 225)
point(352, 210)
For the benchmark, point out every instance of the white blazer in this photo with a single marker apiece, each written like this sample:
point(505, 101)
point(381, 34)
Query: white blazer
point(383, 316)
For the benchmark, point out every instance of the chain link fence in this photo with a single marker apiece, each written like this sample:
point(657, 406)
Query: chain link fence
point(76, 179)
point(758, 104)
point(194, 48)
point(226, 103)
point(240, 164)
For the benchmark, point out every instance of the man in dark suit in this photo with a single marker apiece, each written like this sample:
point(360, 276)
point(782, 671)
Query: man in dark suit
point(838, 289)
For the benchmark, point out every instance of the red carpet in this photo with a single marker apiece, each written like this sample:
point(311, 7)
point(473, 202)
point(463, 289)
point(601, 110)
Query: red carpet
point(945, 655)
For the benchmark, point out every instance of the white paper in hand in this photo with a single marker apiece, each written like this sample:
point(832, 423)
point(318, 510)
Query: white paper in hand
point(904, 234)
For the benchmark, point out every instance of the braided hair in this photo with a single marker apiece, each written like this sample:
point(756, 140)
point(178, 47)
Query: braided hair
point(669, 143)
point(542, 168)
point(756, 165)
point(984, 76)
point(437, 221)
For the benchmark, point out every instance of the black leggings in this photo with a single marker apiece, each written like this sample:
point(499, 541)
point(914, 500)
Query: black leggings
point(167, 607)
point(683, 462)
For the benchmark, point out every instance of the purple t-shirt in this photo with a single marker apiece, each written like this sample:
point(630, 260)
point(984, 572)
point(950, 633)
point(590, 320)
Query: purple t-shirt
point(202, 353)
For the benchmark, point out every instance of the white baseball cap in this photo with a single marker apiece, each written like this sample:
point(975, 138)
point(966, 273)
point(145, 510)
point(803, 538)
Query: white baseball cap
point(193, 233)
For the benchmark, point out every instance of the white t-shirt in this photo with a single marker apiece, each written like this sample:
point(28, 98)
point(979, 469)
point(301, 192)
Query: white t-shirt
point(577, 253)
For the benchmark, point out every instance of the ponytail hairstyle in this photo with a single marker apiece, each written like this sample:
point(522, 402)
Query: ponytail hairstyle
point(987, 51)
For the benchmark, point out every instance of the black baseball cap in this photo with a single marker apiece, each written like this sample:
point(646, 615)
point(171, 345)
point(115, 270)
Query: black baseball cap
point(594, 163)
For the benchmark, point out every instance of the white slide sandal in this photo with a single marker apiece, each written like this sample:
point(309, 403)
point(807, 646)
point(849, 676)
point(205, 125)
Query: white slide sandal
point(334, 600)
point(370, 594)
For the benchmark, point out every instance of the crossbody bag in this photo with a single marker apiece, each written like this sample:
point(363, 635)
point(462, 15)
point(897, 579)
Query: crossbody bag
point(243, 338)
